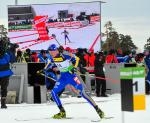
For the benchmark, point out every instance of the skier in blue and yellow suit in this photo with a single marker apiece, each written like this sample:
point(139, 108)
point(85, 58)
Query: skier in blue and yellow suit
point(45, 58)
point(65, 67)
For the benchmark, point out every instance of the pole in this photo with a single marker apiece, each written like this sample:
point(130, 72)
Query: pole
point(85, 86)
point(123, 117)
point(16, 2)
point(46, 76)
point(54, 36)
point(100, 26)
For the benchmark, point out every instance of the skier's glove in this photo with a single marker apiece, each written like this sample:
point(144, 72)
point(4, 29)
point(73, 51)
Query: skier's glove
point(58, 75)
point(40, 71)
point(73, 70)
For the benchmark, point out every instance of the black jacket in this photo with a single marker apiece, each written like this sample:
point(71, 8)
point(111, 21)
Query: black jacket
point(98, 65)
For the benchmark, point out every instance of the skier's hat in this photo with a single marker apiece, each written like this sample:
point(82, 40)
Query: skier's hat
point(52, 47)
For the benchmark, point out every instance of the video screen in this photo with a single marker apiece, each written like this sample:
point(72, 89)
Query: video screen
point(74, 25)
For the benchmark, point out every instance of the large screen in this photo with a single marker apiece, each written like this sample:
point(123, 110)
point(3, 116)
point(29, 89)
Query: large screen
point(74, 25)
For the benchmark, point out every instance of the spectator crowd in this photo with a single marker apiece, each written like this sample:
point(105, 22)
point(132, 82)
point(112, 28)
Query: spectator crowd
point(93, 63)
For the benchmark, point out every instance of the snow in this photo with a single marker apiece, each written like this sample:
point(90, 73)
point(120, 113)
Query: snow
point(76, 108)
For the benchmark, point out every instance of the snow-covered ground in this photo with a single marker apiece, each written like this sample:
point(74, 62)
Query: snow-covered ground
point(76, 108)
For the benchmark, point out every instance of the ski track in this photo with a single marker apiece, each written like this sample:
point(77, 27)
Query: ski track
point(76, 108)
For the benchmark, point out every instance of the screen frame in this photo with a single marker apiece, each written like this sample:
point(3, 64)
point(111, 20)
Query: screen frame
point(100, 4)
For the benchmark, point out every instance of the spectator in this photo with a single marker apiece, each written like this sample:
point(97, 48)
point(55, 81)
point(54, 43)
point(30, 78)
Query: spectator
point(82, 64)
point(6, 57)
point(140, 59)
point(99, 72)
point(42, 57)
point(129, 58)
point(147, 62)
point(119, 53)
point(111, 58)
point(34, 57)
point(27, 55)
point(90, 58)
point(19, 57)
point(120, 57)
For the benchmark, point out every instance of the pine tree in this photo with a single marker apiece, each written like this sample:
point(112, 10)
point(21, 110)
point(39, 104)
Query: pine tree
point(111, 37)
point(126, 43)
point(3, 32)
point(147, 45)
point(115, 40)
point(4, 40)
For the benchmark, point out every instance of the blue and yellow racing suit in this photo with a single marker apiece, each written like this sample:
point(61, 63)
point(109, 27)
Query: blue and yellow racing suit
point(66, 65)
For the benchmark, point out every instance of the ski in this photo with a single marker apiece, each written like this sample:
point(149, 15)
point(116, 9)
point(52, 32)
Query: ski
point(31, 119)
point(99, 120)
point(36, 119)
point(50, 118)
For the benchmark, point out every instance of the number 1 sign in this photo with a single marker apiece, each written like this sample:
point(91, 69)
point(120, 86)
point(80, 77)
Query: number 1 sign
point(132, 88)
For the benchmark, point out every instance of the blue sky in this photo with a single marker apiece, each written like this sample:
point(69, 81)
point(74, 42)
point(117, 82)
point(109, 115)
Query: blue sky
point(130, 17)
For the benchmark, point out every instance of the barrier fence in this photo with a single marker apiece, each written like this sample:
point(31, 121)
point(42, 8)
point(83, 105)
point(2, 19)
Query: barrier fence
point(26, 88)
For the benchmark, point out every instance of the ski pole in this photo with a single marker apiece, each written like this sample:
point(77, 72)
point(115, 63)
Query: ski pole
point(38, 72)
point(45, 76)
point(54, 36)
point(78, 75)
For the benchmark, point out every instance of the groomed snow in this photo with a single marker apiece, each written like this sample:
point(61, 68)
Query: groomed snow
point(76, 108)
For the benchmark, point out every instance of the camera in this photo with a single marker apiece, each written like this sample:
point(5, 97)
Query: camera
point(12, 47)
point(6, 46)
point(3, 46)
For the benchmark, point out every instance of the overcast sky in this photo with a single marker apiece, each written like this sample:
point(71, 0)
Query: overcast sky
point(130, 17)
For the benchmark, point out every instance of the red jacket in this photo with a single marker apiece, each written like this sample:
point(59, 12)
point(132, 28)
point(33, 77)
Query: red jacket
point(90, 61)
point(111, 59)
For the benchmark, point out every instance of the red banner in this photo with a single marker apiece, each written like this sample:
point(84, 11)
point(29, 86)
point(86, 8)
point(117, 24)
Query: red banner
point(64, 24)
point(40, 24)
point(95, 18)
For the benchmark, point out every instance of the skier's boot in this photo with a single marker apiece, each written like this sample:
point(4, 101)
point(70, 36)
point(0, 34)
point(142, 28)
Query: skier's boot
point(60, 115)
point(100, 112)
point(3, 102)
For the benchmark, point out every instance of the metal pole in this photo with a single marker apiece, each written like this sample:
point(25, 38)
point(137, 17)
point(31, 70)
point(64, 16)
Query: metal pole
point(123, 117)
point(54, 36)
point(16, 2)
point(100, 27)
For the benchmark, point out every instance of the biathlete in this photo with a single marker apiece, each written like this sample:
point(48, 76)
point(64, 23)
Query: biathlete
point(49, 74)
point(65, 67)
point(66, 33)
